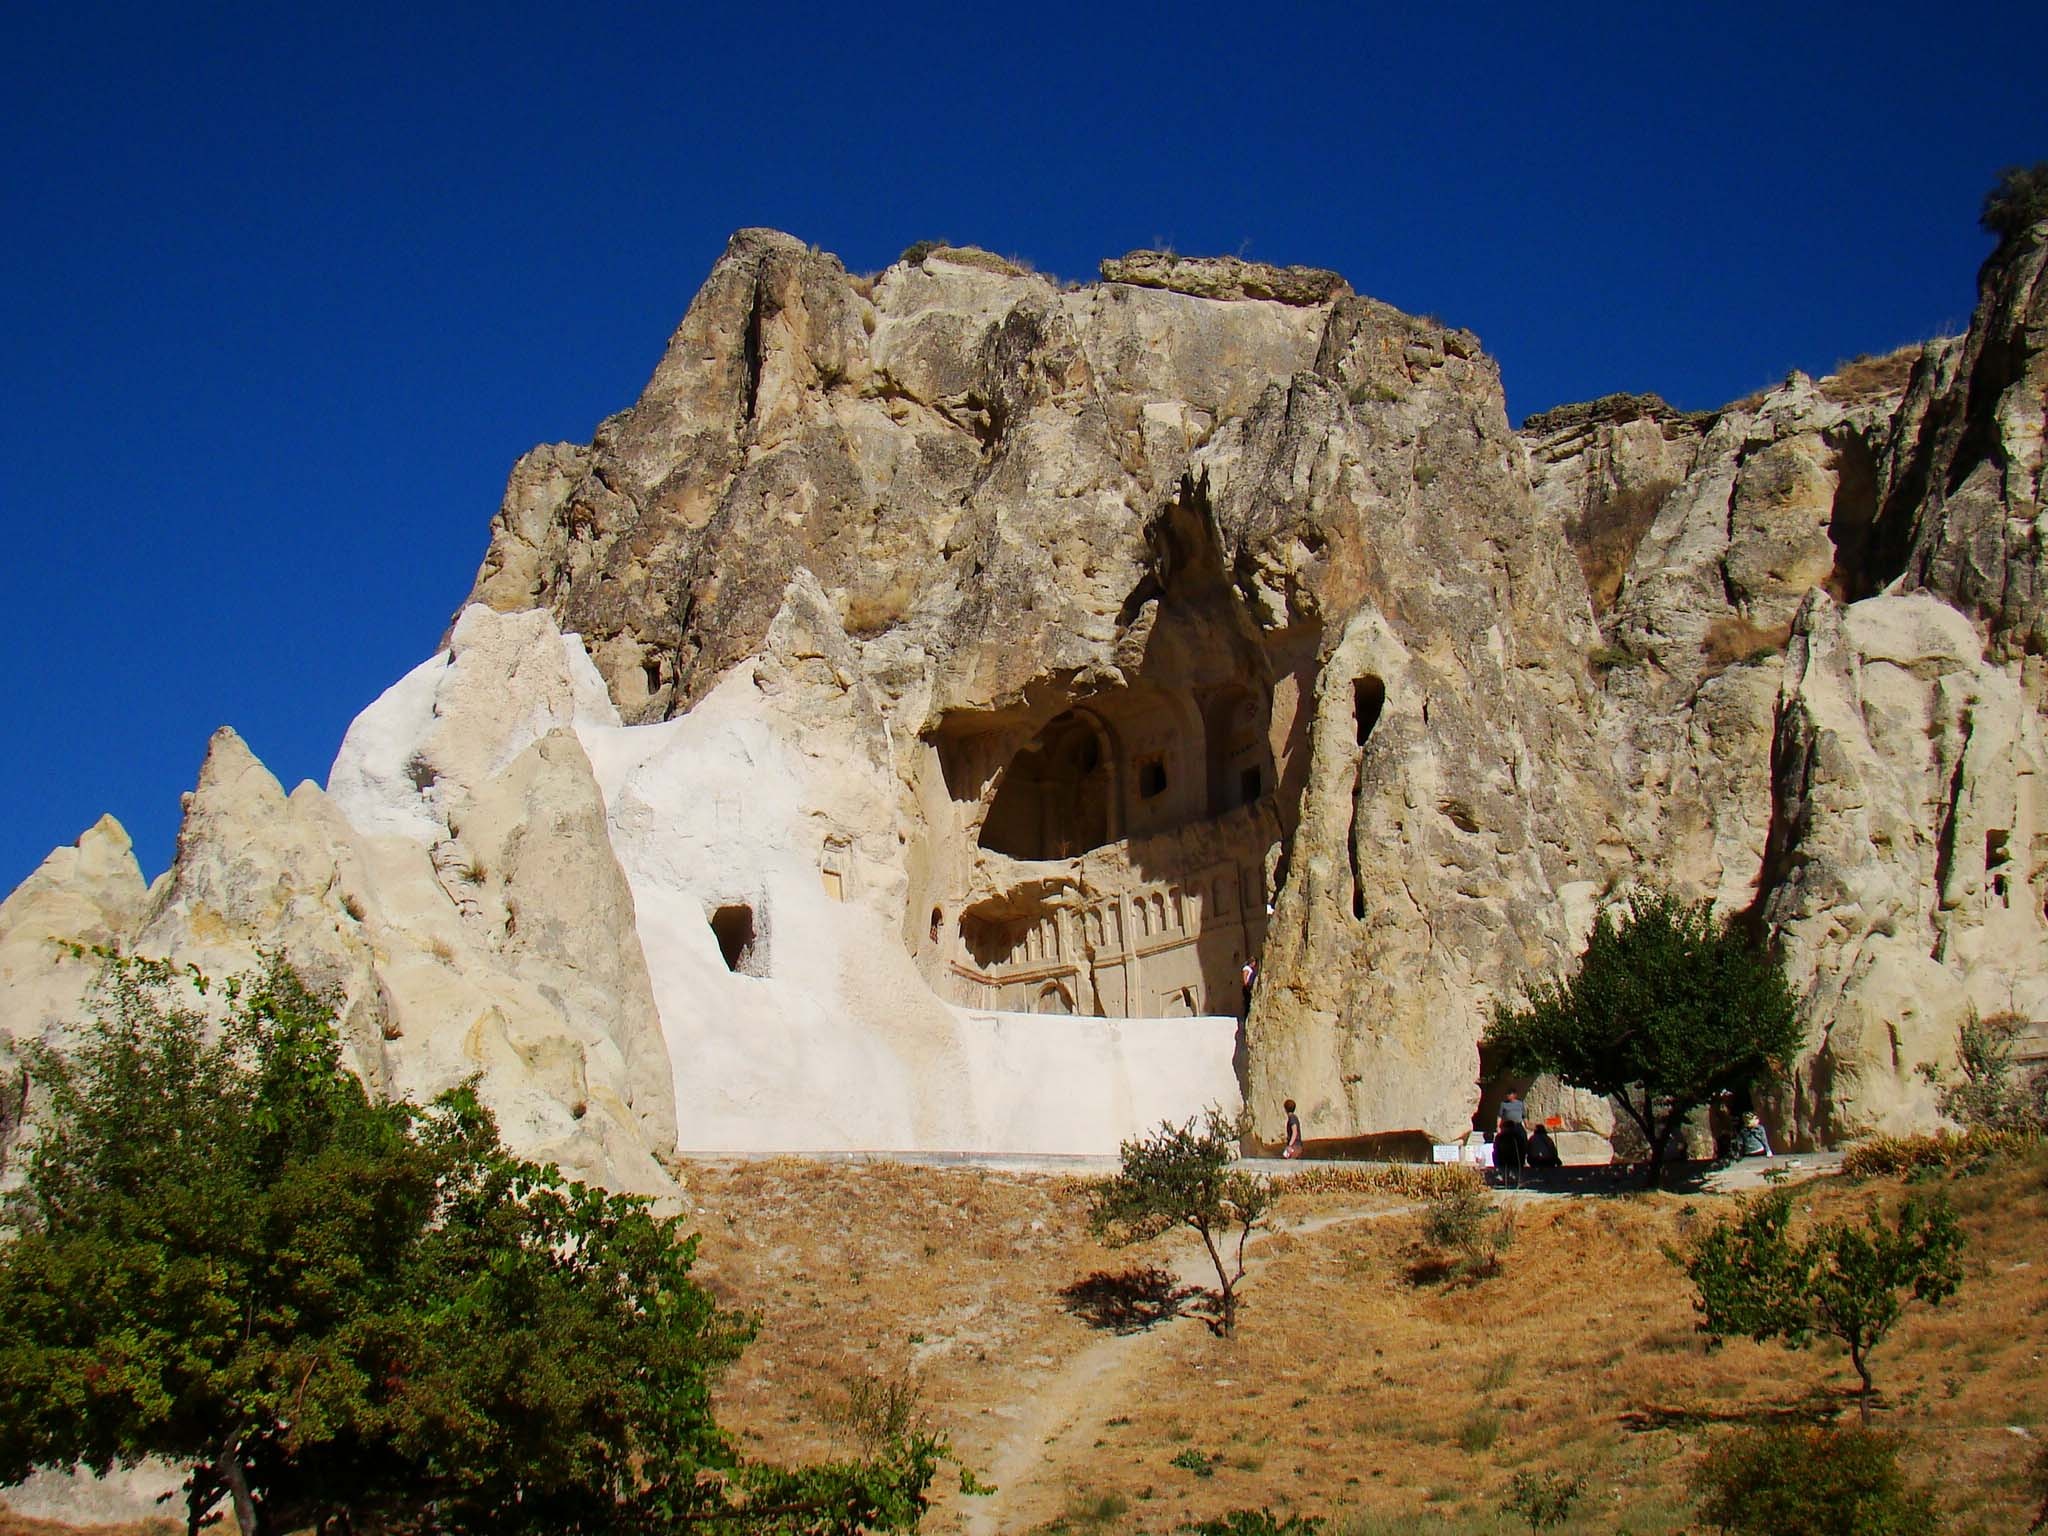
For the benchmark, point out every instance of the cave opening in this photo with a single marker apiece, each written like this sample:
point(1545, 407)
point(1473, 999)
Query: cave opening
point(1057, 795)
point(1861, 569)
point(733, 926)
point(1368, 698)
point(1234, 726)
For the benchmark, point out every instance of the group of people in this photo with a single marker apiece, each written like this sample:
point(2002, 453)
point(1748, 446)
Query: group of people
point(1518, 1145)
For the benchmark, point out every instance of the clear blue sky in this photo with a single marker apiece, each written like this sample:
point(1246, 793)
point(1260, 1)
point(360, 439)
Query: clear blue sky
point(281, 298)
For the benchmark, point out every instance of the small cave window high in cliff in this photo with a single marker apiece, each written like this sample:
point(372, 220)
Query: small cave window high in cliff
point(1057, 796)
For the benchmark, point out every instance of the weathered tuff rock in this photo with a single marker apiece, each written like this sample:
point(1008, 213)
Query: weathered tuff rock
point(900, 726)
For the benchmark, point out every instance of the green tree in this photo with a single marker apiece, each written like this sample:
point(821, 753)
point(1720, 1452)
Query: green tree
point(1820, 1482)
point(1181, 1176)
point(1845, 1281)
point(1666, 1009)
point(341, 1313)
point(2017, 201)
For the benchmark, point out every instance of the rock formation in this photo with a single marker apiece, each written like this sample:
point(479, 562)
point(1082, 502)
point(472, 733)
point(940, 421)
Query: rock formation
point(900, 726)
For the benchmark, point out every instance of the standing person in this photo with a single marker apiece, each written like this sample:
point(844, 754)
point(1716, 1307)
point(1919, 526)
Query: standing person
point(1510, 1138)
point(1293, 1147)
point(1250, 976)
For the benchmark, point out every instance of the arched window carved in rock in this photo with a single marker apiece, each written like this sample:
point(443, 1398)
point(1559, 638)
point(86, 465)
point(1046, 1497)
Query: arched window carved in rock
point(1056, 796)
point(1053, 999)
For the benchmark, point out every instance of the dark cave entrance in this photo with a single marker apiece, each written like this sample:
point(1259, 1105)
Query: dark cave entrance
point(1058, 796)
point(733, 927)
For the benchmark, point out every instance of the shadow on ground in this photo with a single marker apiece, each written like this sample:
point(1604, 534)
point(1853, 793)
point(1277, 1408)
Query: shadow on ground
point(1129, 1300)
point(1821, 1406)
point(1680, 1178)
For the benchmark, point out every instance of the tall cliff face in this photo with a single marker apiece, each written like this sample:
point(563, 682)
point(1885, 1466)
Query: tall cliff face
point(956, 646)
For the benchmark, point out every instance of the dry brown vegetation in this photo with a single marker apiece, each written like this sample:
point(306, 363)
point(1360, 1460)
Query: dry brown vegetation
point(1868, 376)
point(1357, 1388)
point(1606, 534)
point(1733, 640)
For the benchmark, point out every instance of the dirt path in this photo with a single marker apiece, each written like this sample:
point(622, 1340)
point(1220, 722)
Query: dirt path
point(1092, 1382)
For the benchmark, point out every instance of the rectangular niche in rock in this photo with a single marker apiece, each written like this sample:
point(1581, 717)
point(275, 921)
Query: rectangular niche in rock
point(733, 927)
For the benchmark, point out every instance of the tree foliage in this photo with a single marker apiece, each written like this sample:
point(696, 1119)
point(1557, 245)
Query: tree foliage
point(1821, 1482)
point(1181, 1176)
point(2017, 201)
point(347, 1314)
point(1993, 1093)
point(1667, 1008)
point(1845, 1281)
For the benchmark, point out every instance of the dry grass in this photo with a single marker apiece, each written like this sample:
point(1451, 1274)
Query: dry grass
point(867, 612)
point(1868, 376)
point(1881, 1156)
point(1606, 534)
point(1351, 1391)
point(1733, 640)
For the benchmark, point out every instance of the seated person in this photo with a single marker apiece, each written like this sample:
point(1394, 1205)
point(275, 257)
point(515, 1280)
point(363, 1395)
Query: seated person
point(1542, 1150)
point(1754, 1142)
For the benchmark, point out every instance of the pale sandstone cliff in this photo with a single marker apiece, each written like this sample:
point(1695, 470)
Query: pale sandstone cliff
point(956, 646)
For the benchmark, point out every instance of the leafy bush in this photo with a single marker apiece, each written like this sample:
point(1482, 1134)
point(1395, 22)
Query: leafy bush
point(880, 1408)
point(2017, 201)
point(1842, 1281)
point(1463, 1222)
point(1544, 1501)
point(1820, 1482)
point(1198, 1462)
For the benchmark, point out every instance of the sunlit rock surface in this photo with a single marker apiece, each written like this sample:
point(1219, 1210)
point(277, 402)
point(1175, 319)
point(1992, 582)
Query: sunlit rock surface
point(900, 727)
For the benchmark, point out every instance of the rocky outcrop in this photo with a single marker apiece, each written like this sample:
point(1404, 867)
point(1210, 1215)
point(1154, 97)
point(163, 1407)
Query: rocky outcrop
point(1225, 277)
point(1962, 482)
point(900, 727)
